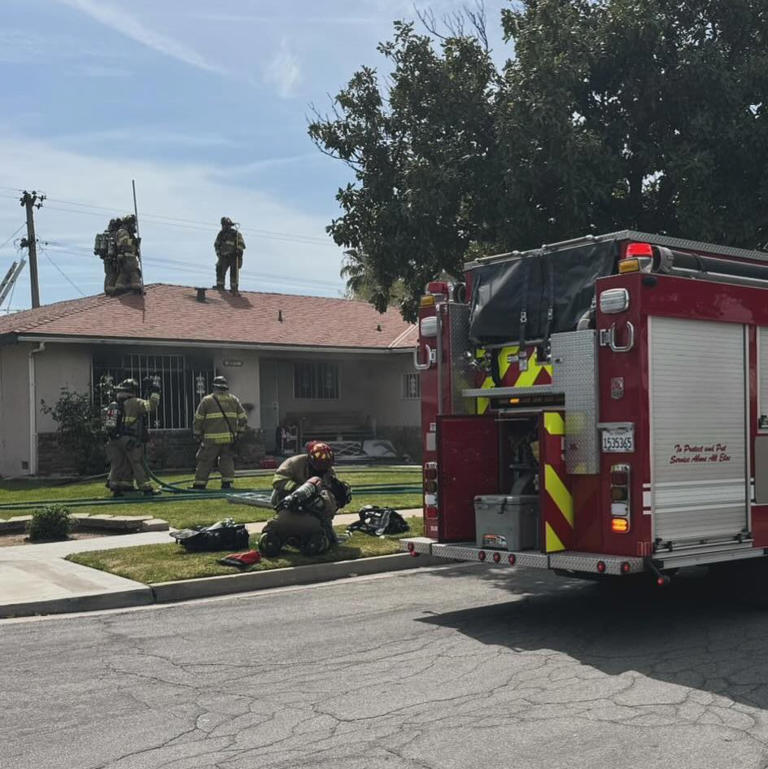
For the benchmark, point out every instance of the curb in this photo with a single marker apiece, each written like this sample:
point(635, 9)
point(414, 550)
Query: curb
point(121, 599)
point(228, 584)
point(206, 587)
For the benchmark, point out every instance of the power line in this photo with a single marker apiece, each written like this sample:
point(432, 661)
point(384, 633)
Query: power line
point(62, 273)
point(178, 221)
point(12, 236)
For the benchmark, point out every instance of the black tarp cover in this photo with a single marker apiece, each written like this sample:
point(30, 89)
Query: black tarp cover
point(502, 290)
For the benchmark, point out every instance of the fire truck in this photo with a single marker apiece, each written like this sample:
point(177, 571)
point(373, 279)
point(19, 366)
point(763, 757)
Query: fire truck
point(597, 407)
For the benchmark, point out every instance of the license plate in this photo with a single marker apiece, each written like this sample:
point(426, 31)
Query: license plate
point(618, 441)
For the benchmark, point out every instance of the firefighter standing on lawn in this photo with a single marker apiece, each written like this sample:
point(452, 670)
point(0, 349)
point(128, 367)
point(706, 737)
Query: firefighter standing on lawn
point(229, 246)
point(126, 424)
point(219, 421)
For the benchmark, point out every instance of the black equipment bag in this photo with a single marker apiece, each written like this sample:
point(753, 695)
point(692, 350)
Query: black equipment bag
point(212, 538)
point(378, 521)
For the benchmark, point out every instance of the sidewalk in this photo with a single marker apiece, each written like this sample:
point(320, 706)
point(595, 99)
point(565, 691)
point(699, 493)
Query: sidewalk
point(35, 579)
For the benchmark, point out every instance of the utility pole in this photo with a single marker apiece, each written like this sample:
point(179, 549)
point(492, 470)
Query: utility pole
point(30, 201)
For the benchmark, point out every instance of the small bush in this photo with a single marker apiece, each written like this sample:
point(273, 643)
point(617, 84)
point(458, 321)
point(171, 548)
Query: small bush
point(50, 522)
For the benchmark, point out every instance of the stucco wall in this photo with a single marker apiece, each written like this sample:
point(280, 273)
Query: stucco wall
point(60, 367)
point(368, 384)
point(243, 380)
point(14, 410)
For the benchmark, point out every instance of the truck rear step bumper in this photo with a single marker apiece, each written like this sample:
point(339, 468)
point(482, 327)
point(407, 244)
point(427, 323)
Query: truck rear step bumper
point(591, 563)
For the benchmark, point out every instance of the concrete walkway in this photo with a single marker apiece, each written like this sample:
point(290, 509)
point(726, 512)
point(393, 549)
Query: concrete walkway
point(35, 579)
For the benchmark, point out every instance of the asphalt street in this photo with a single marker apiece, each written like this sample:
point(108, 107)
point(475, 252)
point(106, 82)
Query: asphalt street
point(459, 667)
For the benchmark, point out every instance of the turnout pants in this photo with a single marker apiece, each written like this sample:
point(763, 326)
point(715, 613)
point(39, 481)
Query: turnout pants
point(126, 464)
point(231, 262)
point(209, 455)
point(129, 276)
point(110, 275)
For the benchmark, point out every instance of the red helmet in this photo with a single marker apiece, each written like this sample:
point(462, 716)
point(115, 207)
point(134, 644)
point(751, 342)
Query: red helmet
point(320, 455)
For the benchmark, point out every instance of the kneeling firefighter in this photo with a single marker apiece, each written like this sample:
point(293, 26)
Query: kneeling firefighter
point(306, 495)
point(126, 426)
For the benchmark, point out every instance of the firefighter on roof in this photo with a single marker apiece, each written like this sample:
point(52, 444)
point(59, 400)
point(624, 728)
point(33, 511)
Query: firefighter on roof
point(126, 426)
point(129, 273)
point(297, 470)
point(219, 421)
point(229, 246)
point(105, 247)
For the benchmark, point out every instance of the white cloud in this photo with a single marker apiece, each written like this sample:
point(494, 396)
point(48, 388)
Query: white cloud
point(284, 71)
point(179, 209)
point(122, 22)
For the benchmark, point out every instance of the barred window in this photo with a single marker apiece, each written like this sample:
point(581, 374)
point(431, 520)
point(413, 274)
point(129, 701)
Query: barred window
point(411, 386)
point(317, 381)
point(183, 384)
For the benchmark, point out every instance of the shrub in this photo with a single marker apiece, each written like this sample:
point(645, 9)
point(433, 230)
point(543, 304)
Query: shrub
point(50, 522)
point(79, 427)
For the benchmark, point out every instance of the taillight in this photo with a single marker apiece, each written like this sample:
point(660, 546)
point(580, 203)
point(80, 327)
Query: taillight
point(496, 557)
point(638, 257)
point(481, 555)
point(431, 511)
point(620, 491)
point(411, 547)
point(601, 567)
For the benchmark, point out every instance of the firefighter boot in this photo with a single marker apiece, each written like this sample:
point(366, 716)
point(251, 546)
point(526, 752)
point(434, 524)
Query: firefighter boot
point(226, 484)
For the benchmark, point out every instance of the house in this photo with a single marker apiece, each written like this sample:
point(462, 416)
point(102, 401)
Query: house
point(335, 367)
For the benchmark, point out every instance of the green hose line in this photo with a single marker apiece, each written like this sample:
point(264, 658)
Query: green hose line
point(179, 495)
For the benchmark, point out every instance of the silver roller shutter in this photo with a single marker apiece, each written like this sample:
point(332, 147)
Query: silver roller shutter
point(698, 429)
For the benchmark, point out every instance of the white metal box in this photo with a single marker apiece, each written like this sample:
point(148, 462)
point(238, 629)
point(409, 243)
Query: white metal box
point(507, 523)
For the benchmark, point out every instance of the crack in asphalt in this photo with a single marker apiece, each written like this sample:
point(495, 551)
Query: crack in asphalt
point(197, 687)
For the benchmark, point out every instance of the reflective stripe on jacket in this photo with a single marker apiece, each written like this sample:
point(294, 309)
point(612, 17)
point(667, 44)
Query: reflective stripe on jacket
point(212, 426)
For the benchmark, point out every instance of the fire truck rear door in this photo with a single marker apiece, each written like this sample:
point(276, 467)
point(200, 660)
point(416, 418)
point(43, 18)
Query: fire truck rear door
point(468, 465)
point(698, 418)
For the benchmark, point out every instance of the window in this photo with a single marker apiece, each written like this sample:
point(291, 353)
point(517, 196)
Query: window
point(318, 381)
point(411, 386)
point(183, 384)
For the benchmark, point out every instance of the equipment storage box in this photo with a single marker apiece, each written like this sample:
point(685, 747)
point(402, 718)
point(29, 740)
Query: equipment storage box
point(507, 523)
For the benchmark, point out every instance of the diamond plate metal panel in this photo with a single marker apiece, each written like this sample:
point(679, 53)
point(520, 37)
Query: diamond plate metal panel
point(421, 545)
point(572, 561)
point(468, 553)
point(574, 372)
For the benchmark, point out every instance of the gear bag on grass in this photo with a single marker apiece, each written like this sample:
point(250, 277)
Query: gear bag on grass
point(378, 521)
point(223, 535)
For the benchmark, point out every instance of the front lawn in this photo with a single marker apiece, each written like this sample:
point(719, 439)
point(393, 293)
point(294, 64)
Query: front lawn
point(166, 563)
point(191, 512)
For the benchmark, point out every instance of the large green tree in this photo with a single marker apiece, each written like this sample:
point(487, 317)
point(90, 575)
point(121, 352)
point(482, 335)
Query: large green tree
point(612, 113)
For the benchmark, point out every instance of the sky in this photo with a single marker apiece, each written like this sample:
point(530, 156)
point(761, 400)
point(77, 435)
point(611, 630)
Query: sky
point(206, 106)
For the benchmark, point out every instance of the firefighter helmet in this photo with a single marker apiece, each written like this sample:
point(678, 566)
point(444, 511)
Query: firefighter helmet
point(128, 386)
point(320, 455)
point(220, 383)
point(226, 221)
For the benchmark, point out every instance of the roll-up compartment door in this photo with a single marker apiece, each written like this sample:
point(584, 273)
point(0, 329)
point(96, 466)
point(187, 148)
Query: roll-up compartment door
point(698, 429)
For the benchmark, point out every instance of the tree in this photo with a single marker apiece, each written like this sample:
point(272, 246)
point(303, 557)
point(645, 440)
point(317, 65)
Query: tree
point(421, 150)
point(649, 114)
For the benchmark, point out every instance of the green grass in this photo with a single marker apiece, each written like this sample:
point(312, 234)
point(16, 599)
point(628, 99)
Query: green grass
point(182, 514)
point(166, 563)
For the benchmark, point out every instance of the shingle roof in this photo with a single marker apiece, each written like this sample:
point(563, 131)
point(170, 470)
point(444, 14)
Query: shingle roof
point(173, 313)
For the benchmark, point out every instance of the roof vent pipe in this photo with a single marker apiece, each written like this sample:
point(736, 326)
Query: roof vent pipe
point(200, 294)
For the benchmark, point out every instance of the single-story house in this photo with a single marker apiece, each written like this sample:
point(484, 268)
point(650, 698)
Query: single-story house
point(328, 368)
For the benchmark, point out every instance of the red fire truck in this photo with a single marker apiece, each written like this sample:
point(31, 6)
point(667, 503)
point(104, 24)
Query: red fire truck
point(597, 406)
